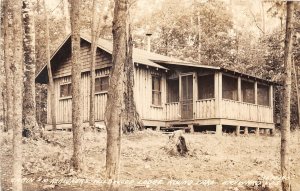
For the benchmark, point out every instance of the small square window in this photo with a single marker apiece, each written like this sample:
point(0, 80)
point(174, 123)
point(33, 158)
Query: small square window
point(66, 90)
point(101, 84)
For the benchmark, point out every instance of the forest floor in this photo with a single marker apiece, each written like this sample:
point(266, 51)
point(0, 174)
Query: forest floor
point(214, 163)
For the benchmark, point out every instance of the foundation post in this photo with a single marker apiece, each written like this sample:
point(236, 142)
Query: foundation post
point(218, 129)
point(191, 127)
point(272, 131)
point(257, 131)
point(237, 132)
point(268, 132)
point(246, 131)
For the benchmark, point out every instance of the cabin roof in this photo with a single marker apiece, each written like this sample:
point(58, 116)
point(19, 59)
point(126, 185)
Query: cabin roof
point(140, 57)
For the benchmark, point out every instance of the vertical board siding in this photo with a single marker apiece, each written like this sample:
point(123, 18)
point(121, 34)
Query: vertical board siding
point(172, 111)
point(143, 94)
point(64, 105)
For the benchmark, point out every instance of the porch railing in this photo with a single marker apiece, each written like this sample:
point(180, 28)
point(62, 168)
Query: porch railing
point(205, 109)
point(246, 111)
point(230, 109)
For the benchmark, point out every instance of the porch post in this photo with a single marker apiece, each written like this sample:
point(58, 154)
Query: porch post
point(239, 89)
point(216, 91)
point(271, 96)
point(255, 93)
point(180, 90)
point(219, 98)
point(195, 93)
point(219, 101)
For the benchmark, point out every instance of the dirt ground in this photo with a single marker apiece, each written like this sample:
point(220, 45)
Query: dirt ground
point(214, 163)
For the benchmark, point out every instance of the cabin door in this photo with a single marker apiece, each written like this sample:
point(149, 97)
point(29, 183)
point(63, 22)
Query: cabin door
point(186, 96)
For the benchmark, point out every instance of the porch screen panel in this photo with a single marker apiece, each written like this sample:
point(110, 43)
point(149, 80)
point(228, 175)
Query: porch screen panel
point(263, 95)
point(229, 88)
point(206, 87)
point(173, 90)
point(248, 92)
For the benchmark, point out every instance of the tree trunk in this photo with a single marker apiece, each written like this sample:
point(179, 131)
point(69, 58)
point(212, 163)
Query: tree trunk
point(93, 63)
point(295, 70)
point(40, 35)
point(29, 110)
point(66, 16)
point(177, 144)
point(115, 98)
point(285, 128)
point(199, 37)
point(17, 95)
point(263, 17)
point(76, 90)
point(8, 55)
point(131, 119)
point(51, 90)
point(97, 25)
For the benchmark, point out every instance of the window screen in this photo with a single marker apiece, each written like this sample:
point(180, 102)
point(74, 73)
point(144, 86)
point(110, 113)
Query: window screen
point(263, 95)
point(247, 91)
point(173, 90)
point(229, 87)
point(206, 87)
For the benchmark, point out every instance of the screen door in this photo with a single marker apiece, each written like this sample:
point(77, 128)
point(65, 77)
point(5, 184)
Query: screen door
point(187, 97)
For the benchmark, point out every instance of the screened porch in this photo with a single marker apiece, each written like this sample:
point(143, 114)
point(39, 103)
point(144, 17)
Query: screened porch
point(195, 96)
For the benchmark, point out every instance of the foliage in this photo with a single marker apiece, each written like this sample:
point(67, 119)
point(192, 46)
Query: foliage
point(176, 32)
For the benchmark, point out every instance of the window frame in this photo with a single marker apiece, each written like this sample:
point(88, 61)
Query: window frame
point(268, 95)
point(158, 92)
point(102, 91)
point(242, 95)
point(69, 96)
point(235, 78)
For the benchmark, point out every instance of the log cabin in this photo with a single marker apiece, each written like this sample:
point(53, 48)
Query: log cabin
point(168, 92)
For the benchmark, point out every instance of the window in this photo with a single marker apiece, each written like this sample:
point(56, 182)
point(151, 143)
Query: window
point(206, 87)
point(229, 85)
point(263, 95)
point(248, 92)
point(101, 84)
point(65, 90)
point(173, 90)
point(156, 91)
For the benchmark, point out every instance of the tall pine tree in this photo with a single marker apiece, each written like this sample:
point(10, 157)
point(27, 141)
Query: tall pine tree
point(286, 113)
